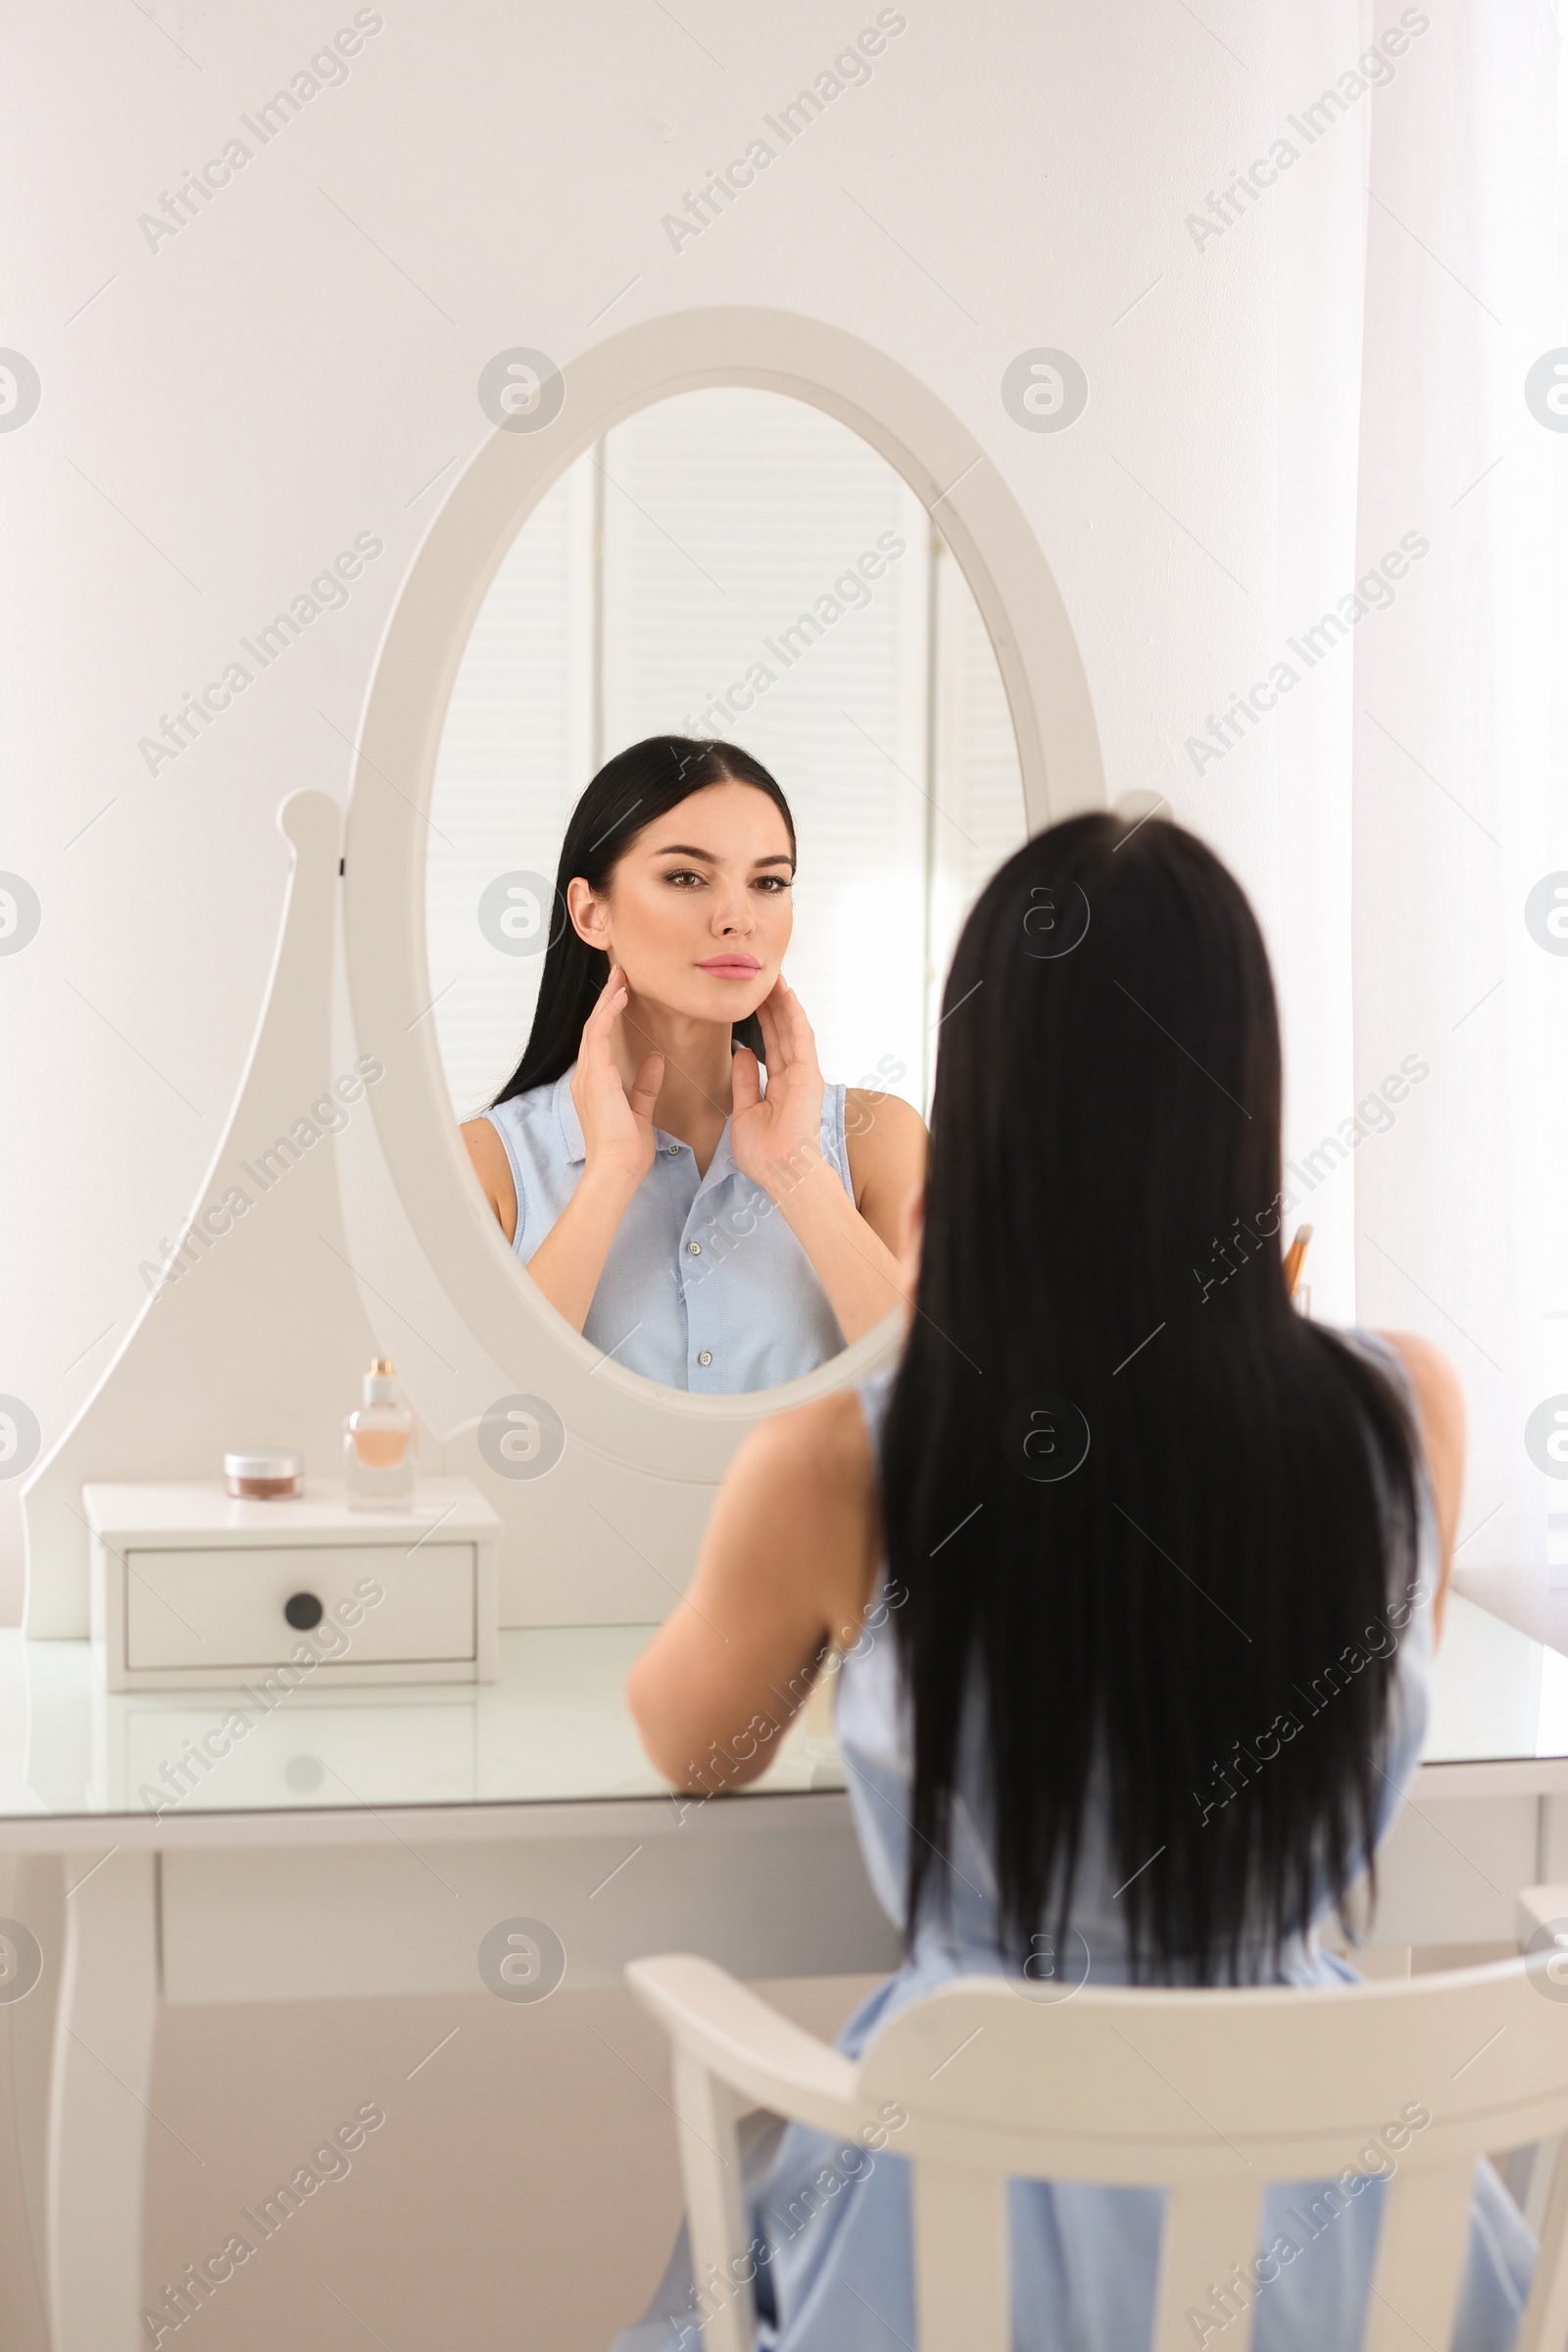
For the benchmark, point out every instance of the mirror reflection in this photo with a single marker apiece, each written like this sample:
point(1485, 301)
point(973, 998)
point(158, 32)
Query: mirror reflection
point(726, 762)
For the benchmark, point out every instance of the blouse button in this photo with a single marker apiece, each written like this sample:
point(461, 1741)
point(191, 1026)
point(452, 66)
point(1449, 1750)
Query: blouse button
point(706, 1358)
point(671, 1150)
point(694, 1248)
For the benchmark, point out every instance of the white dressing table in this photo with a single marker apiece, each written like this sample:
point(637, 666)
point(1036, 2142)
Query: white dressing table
point(367, 1841)
point(358, 1841)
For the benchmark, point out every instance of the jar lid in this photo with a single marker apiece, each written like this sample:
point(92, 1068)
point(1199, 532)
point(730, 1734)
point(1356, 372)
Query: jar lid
point(276, 1462)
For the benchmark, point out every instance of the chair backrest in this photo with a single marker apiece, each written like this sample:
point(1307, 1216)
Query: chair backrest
point(1212, 2094)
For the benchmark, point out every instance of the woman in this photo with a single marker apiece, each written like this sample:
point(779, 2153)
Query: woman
point(1144, 1568)
point(699, 1228)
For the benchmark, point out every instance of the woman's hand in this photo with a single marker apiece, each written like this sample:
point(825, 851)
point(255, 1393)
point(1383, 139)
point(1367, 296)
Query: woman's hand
point(618, 1128)
point(777, 1136)
point(618, 1145)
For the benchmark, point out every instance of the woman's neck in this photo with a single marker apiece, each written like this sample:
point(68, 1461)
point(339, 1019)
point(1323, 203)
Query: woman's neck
point(694, 1096)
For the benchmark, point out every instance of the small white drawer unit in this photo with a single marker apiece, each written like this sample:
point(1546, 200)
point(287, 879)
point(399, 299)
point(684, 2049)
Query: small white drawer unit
point(191, 1587)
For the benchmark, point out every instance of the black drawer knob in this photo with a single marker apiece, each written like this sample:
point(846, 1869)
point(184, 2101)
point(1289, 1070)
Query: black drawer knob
point(303, 1610)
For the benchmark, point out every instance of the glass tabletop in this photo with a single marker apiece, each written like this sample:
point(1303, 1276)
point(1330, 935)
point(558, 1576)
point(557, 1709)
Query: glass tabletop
point(1497, 1695)
point(553, 1729)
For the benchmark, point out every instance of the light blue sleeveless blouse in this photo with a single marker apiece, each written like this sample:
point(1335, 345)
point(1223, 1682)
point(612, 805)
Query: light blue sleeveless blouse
point(832, 2228)
point(704, 1287)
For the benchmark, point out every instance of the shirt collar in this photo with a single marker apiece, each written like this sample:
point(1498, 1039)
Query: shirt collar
point(722, 1165)
point(566, 1114)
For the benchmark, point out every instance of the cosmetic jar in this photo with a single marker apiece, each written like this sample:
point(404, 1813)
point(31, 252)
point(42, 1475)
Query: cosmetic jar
point(264, 1477)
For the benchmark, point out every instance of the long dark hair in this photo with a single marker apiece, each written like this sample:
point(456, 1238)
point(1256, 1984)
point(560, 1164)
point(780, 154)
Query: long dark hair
point(630, 791)
point(1102, 1267)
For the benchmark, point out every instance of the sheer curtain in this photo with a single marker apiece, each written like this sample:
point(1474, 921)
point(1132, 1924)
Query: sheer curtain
point(1423, 784)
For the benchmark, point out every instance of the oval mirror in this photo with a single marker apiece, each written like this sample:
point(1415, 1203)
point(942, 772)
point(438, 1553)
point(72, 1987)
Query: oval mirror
point(728, 563)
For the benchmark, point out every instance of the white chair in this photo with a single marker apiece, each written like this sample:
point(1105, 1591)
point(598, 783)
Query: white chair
point(1212, 2094)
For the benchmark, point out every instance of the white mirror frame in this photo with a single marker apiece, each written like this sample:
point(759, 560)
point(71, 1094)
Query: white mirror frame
point(662, 1431)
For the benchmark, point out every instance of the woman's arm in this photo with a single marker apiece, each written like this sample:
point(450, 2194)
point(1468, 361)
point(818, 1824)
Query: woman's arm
point(852, 1244)
point(618, 1145)
point(887, 1141)
point(1439, 1401)
point(568, 1261)
point(494, 1170)
point(785, 1571)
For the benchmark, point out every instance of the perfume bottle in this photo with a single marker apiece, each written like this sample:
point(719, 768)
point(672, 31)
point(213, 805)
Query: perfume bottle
point(380, 1446)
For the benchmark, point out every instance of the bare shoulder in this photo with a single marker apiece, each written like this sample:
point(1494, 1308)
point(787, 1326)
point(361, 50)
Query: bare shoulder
point(806, 1480)
point(488, 1155)
point(827, 1437)
point(1437, 1387)
point(868, 1115)
point(887, 1140)
point(1439, 1401)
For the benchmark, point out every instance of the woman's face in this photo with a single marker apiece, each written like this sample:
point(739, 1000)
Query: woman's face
point(698, 911)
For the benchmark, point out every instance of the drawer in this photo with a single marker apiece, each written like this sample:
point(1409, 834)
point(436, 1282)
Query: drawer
point(223, 1607)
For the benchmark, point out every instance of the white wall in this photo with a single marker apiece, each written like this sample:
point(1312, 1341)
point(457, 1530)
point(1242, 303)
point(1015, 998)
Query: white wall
point(297, 366)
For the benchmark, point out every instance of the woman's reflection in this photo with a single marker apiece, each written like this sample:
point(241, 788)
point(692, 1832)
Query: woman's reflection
point(698, 1229)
